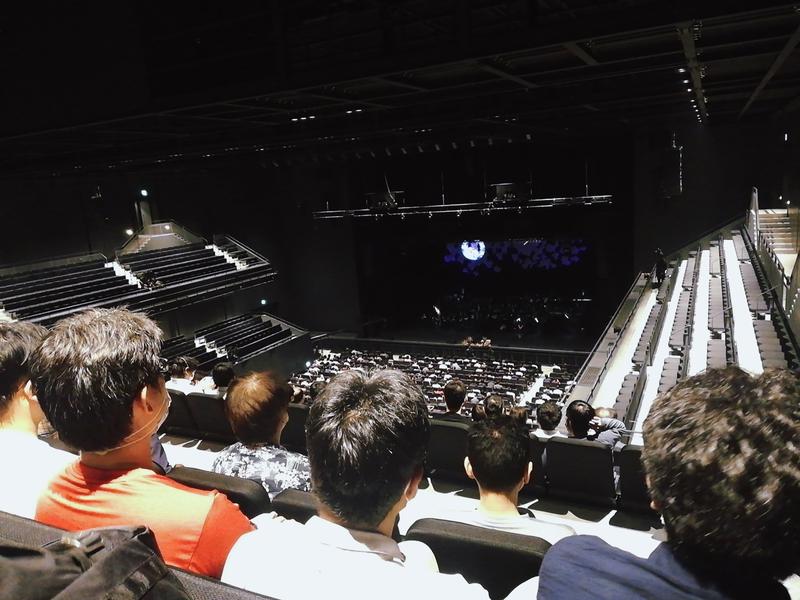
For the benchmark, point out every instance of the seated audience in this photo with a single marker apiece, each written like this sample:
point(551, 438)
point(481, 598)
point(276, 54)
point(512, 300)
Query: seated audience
point(100, 382)
point(495, 406)
point(366, 444)
point(582, 424)
point(28, 463)
point(721, 458)
point(181, 374)
point(498, 459)
point(454, 393)
point(221, 377)
point(520, 416)
point(478, 413)
point(548, 415)
point(257, 406)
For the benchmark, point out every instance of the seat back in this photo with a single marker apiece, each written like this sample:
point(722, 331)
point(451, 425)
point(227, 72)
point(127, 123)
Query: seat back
point(179, 420)
point(580, 470)
point(206, 588)
point(537, 486)
point(209, 414)
point(295, 504)
point(294, 434)
point(498, 560)
point(251, 496)
point(446, 450)
point(632, 486)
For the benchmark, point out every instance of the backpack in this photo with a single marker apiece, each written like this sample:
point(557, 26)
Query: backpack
point(112, 563)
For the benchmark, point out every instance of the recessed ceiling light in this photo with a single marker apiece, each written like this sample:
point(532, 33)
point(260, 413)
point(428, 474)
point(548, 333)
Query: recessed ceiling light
point(681, 70)
point(294, 118)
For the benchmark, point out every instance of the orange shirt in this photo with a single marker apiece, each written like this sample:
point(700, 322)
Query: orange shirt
point(194, 529)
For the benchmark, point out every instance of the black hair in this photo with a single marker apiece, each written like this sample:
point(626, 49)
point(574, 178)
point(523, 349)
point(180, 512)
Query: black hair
point(178, 367)
point(18, 340)
point(454, 393)
point(494, 406)
point(498, 450)
point(579, 415)
point(721, 455)
point(548, 415)
point(89, 369)
point(366, 438)
point(222, 374)
point(315, 389)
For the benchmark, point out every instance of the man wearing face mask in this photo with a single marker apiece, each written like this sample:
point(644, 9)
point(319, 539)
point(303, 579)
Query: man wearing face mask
point(98, 378)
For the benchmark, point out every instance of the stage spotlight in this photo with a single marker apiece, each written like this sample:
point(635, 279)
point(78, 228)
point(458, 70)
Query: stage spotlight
point(143, 192)
point(129, 232)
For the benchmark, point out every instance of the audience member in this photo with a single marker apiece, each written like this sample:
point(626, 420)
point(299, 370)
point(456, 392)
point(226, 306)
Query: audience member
point(100, 382)
point(181, 374)
point(222, 375)
point(721, 458)
point(498, 459)
point(582, 424)
point(548, 416)
point(454, 393)
point(315, 389)
point(520, 416)
point(478, 413)
point(257, 407)
point(366, 441)
point(495, 406)
point(28, 463)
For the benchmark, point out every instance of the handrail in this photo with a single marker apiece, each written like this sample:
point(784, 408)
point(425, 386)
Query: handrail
point(242, 246)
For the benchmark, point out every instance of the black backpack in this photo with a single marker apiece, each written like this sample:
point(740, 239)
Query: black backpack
point(111, 563)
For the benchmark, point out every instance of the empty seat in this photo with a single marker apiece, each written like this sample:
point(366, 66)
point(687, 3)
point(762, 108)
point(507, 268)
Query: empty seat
point(446, 450)
point(208, 413)
point(295, 504)
point(537, 485)
point(497, 560)
point(633, 489)
point(251, 496)
point(581, 470)
point(179, 420)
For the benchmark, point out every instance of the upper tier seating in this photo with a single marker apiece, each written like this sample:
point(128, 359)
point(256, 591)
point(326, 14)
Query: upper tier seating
point(156, 281)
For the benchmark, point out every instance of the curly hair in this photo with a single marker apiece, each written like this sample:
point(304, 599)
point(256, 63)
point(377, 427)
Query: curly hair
point(722, 456)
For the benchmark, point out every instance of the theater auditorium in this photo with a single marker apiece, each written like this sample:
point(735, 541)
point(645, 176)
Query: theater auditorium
point(370, 299)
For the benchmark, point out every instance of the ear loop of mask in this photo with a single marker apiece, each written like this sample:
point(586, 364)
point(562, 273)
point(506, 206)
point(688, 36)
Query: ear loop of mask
point(131, 438)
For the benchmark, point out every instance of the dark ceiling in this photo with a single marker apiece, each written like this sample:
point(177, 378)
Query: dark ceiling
point(91, 88)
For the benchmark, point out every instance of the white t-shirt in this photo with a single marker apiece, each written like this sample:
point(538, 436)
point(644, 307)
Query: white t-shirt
point(182, 385)
point(26, 467)
point(321, 558)
point(546, 434)
point(522, 524)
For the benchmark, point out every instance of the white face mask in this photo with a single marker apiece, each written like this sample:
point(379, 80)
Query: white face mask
point(147, 428)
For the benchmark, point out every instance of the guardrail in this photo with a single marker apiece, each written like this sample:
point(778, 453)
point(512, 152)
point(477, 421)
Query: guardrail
point(60, 261)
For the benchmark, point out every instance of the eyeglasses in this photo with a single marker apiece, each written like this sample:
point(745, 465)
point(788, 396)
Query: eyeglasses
point(163, 368)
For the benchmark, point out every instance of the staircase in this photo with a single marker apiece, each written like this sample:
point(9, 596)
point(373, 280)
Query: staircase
point(776, 228)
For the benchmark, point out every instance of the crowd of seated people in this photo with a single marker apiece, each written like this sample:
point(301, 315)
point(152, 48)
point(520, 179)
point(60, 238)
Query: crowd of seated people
point(719, 458)
point(186, 378)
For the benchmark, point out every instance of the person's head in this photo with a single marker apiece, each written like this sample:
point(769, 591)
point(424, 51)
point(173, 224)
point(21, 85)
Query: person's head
point(222, 374)
point(98, 378)
point(199, 375)
point(18, 340)
point(257, 407)
point(315, 389)
point(605, 413)
point(178, 367)
point(498, 455)
point(579, 418)
point(721, 455)
point(494, 406)
point(366, 437)
point(548, 415)
point(519, 414)
point(454, 393)
point(478, 412)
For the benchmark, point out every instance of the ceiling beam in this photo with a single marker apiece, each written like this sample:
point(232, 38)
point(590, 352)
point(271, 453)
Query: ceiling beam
point(400, 83)
point(686, 36)
point(580, 52)
point(497, 72)
point(791, 44)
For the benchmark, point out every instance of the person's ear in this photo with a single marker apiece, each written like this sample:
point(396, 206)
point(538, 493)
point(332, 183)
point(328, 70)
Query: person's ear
point(468, 468)
point(147, 400)
point(34, 408)
point(527, 476)
point(413, 486)
point(654, 504)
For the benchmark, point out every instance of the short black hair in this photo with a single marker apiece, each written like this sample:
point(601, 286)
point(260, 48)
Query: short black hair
point(366, 437)
point(494, 405)
point(255, 406)
point(222, 374)
point(721, 455)
point(178, 367)
point(498, 450)
point(580, 415)
point(89, 369)
point(315, 389)
point(548, 415)
point(18, 340)
point(454, 393)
